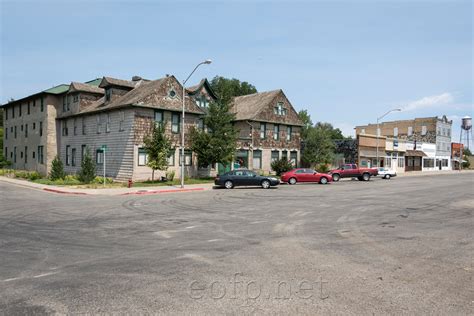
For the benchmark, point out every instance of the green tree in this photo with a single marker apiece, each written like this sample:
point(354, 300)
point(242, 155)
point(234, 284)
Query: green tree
point(57, 169)
point(226, 88)
point(335, 133)
point(87, 172)
point(217, 142)
point(318, 147)
point(281, 165)
point(307, 122)
point(158, 148)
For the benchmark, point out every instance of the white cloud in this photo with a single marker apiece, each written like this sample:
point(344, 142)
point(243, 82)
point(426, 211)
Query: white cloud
point(429, 102)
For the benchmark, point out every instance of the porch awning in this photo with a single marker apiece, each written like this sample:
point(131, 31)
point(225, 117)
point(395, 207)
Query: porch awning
point(415, 153)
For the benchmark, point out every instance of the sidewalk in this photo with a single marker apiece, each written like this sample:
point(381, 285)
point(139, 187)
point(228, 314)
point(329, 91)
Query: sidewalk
point(108, 191)
point(433, 173)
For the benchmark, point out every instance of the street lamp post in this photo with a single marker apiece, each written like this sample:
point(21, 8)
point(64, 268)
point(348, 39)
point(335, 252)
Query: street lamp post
point(207, 61)
point(377, 132)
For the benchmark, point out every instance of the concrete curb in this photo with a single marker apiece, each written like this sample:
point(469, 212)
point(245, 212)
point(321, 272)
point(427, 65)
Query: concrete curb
point(63, 192)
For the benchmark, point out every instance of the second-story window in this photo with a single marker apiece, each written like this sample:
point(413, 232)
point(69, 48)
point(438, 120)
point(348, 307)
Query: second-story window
point(41, 129)
point(423, 130)
point(75, 127)
point(279, 109)
point(108, 94)
point(276, 132)
point(6, 114)
point(64, 103)
point(83, 125)
point(263, 130)
point(65, 130)
point(395, 131)
point(107, 124)
point(122, 121)
point(159, 117)
point(15, 131)
point(175, 120)
point(13, 111)
point(288, 133)
point(99, 124)
point(26, 130)
point(19, 110)
point(42, 104)
point(28, 108)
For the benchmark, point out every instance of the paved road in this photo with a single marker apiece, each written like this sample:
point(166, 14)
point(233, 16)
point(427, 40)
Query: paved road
point(399, 246)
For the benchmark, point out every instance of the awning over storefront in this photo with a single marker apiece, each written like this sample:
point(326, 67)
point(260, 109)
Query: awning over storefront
point(415, 153)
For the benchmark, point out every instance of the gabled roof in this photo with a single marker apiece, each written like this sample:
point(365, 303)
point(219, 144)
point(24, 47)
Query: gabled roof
point(252, 107)
point(83, 87)
point(203, 83)
point(57, 89)
point(247, 107)
point(152, 94)
point(108, 81)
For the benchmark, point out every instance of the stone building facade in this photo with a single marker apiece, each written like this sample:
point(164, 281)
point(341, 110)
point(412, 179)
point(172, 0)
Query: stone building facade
point(70, 120)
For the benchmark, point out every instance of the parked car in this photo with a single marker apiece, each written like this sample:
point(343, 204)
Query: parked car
point(242, 177)
point(305, 175)
point(352, 171)
point(386, 173)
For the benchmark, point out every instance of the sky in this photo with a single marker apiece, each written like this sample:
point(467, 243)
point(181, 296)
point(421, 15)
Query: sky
point(346, 62)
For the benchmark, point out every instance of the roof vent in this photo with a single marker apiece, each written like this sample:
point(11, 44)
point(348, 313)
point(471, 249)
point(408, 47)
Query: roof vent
point(136, 78)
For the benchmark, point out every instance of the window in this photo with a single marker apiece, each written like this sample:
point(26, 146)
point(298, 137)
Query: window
point(279, 109)
point(21, 127)
point(64, 103)
point(99, 124)
point(444, 162)
point(6, 114)
point(42, 104)
point(14, 154)
point(263, 130)
point(34, 103)
point(122, 121)
point(159, 117)
point(34, 125)
point(175, 120)
point(68, 155)
point(275, 155)
point(41, 128)
point(188, 158)
point(401, 162)
point(83, 126)
point(410, 131)
point(83, 151)
point(276, 132)
point(13, 111)
point(5, 153)
point(28, 109)
point(75, 98)
point(362, 131)
point(201, 124)
point(33, 154)
point(108, 94)
point(19, 109)
point(26, 130)
point(172, 93)
point(99, 156)
point(449, 132)
point(107, 124)
point(15, 131)
point(26, 154)
point(171, 157)
point(428, 163)
point(142, 157)
point(423, 130)
point(73, 157)
point(284, 155)
point(257, 159)
point(288, 133)
point(68, 102)
point(395, 131)
point(293, 158)
point(65, 130)
point(6, 134)
point(40, 155)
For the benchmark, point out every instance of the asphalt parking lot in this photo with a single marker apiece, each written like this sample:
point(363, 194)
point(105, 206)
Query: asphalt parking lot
point(400, 246)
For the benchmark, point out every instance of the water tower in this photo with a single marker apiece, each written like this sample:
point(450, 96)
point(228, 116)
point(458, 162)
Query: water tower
point(466, 130)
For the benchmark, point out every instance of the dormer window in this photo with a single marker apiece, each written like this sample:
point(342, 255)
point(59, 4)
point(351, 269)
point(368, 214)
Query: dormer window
point(108, 94)
point(279, 109)
point(202, 101)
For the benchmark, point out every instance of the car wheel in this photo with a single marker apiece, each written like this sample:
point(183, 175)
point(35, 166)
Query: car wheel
point(336, 177)
point(323, 180)
point(292, 181)
point(265, 184)
point(366, 177)
point(387, 176)
point(228, 184)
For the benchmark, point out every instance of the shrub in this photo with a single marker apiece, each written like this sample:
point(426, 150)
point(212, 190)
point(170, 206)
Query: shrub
point(32, 176)
point(322, 167)
point(170, 175)
point(87, 172)
point(100, 180)
point(281, 165)
point(57, 169)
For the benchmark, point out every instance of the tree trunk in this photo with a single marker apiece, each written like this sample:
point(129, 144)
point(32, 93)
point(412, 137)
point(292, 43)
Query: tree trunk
point(152, 175)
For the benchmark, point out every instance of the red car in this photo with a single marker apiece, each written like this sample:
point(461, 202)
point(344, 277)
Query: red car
point(305, 175)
